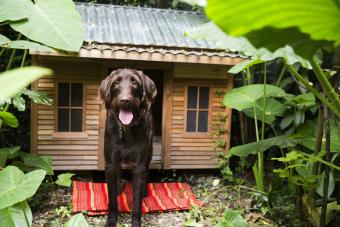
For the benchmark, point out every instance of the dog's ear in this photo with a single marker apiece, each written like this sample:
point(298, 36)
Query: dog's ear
point(149, 90)
point(105, 90)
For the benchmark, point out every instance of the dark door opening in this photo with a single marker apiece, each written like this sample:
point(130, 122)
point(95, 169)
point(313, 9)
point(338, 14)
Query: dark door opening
point(157, 107)
point(157, 111)
point(157, 76)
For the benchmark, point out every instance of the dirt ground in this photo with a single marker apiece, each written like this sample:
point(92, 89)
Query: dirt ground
point(52, 206)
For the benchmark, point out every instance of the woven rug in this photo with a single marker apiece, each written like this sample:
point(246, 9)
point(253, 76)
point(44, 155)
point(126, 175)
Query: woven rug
point(93, 198)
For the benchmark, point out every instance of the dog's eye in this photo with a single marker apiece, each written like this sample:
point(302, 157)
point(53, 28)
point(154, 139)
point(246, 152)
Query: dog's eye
point(116, 83)
point(134, 83)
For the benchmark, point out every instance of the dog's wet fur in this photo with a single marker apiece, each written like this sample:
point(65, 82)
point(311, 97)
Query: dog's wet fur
point(127, 94)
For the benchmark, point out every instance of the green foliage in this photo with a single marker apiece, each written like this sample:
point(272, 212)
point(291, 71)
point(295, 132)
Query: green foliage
point(308, 130)
point(76, 221)
point(298, 169)
point(232, 218)
point(331, 185)
point(280, 23)
point(32, 162)
point(19, 13)
point(22, 44)
point(245, 97)
point(220, 143)
point(210, 31)
point(64, 179)
point(9, 119)
point(273, 109)
point(22, 78)
point(15, 186)
point(37, 97)
point(16, 216)
point(8, 153)
point(59, 18)
point(263, 145)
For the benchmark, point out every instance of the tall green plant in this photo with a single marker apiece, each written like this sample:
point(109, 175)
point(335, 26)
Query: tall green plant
point(49, 26)
point(266, 28)
point(306, 26)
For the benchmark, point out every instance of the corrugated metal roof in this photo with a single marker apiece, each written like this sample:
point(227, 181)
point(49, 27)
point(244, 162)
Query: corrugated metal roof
point(112, 24)
point(195, 52)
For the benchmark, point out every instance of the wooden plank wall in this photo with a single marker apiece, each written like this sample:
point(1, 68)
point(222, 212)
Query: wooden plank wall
point(77, 151)
point(197, 150)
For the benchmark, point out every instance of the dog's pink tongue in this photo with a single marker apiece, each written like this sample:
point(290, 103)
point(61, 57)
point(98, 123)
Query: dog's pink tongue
point(125, 117)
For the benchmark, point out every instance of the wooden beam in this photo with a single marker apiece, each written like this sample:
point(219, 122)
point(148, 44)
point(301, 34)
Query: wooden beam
point(102, 119)
point(167, 116)
point(34, 114)
point(228, 112)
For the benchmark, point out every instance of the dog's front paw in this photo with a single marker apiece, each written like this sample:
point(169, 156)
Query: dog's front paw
point(110, 223)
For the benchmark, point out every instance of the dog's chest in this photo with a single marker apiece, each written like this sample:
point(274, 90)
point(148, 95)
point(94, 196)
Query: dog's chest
point(131, 149)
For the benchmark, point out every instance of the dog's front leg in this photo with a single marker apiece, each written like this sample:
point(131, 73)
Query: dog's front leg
point(139, 181)
point(112, 173)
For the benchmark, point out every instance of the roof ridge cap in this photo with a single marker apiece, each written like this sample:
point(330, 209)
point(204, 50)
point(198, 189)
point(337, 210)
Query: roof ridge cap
point(139, 7)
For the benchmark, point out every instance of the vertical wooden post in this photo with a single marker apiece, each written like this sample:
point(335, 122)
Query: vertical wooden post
point(102, 119)
point(167, 115)
point(228, 112)
point(34, 114)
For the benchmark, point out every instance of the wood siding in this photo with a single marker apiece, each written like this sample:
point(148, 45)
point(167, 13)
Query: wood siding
point(84, 150)
point(197, 150)
point(69, 150)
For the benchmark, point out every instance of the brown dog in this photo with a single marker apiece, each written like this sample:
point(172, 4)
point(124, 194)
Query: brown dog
point(128, 95)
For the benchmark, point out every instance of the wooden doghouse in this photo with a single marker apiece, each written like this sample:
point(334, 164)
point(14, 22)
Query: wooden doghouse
point(190, 75)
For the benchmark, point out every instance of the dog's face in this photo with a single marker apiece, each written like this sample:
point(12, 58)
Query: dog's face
point(127, 93)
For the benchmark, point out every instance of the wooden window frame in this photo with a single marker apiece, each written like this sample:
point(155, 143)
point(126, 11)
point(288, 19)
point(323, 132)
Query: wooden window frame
point(76, 134)
point(186, 109)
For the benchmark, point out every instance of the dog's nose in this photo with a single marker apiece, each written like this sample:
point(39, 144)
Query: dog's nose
point(124, 101)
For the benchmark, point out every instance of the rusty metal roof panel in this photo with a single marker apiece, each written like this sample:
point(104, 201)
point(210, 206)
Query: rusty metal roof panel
point(112, 24)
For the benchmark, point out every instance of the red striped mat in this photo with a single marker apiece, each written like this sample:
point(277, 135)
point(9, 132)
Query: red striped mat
point(92, 197)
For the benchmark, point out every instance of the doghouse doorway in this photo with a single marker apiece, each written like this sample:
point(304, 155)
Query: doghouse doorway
point(157, 111)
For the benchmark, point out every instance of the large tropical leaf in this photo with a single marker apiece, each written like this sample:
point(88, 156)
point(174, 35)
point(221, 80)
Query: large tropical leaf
point(244, 65)
point(263, 145)
point(15, 216)
point(11, 10)
point(245, 97)
point(308, 131)
point(195, 2)
point(273, 109)
point(53, 23)
point(331, 185)
point(8, 153)
point(304, 101)
point(12, 81)
point(3, 39)
point(65, 179)
point(9, 119)
point(77, 220)
point(23, 44)
point(210, 31)
point(232, 218)
point(37, 97)
point(305, 24)
point(37, 162)
point(15, 186)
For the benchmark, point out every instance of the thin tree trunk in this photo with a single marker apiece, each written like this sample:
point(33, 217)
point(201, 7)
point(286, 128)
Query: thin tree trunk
point(327, 169)
point(318, 143)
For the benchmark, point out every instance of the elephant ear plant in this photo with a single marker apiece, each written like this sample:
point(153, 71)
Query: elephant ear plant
point(57, 27)
point(280, 30)
point(294, 32)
